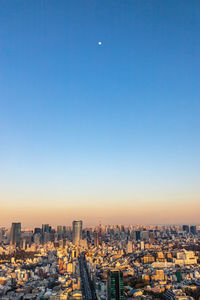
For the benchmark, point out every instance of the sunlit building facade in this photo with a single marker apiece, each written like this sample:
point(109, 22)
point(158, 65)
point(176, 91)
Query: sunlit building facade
point(77, 232)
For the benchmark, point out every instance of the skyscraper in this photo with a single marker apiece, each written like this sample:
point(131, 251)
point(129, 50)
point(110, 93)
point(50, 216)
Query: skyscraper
point(15, 234)
point(96, 239)
point(186, 228)
point(77, 232)
point(193, 229)
point(137, 235)
point(1, 235)
point(115, 286)
point(46, 230)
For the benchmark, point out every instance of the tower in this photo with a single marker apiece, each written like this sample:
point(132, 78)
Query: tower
point(77, 232)
point(15, 234)
point(96, 239)
point(186, 228)
point(193, 229)
point(115, 287)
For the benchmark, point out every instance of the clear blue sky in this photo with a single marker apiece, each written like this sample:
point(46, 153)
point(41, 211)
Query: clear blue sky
point(80, 121)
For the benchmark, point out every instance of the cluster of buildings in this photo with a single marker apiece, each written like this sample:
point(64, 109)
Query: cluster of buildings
point(103, 262)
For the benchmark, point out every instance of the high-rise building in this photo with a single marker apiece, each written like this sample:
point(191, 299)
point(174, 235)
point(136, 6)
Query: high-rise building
point(15, 234)
point(77, 232)
point(1, 235)
point(46, 230)
point(193, 229)
point(186, 228)
point(96, 239)
point(145, 235)
point(137, 235)
point(37, 230)
point(59, 229)
point(60, 232)
point(129, 247)
point(115, 286)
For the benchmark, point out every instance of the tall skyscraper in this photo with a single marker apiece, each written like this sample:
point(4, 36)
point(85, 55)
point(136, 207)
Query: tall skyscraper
point(46, 230)
point(193, 229)
point(1, 235)
point(115, 286)
point(137, 235)
point(60, 231)
point(96, 239)
point(77, 232)
point(145, 235)
point(15, 234)
point(186, 228)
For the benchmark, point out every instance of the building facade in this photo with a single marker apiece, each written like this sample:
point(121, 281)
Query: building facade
point(115, 286)
point(77, 232)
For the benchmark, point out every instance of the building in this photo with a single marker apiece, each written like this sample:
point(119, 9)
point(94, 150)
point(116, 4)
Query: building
point(77, 232)
point(186, 228)
point(96, 239)
point(185, 258)
point(129, 247)
point(1, 235)
point(160, 275)
point(15, 234)
point(145, 235)
point(46, 230)
point(115, 286)
point(137, 235)
point(60, 231)
point(193, 230)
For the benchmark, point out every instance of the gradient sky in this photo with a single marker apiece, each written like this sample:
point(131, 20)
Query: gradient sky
point(106, 132)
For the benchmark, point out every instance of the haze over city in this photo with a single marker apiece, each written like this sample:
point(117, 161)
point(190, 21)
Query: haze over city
point(96, 131)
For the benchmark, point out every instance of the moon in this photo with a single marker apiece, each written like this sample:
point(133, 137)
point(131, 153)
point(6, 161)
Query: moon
point(99, 43)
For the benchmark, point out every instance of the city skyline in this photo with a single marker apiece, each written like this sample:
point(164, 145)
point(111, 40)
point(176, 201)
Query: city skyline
point(96, 131)
point(105, 262)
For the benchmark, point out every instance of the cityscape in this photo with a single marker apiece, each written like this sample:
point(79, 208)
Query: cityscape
point(99, 149)
point(100, 262)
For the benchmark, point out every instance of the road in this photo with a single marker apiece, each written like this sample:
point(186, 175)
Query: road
point(87, 284)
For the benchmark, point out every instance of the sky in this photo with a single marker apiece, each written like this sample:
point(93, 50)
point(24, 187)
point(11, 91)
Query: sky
point(106, 132)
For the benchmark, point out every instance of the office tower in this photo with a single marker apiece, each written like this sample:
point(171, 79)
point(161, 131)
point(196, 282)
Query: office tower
point(138, 235)
point(96, 239)
point(46, 237)
point(1, 235)
point(145, 235)
point(60, 231)
point(37, 230)
point(151, 236)
point(193, 230)
point(37, 238)
point(129, 247)
point(115, 286)
point(77, 232)
point(64, 231)
point(15, 234)
point(186, 228)
point(46, 229)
